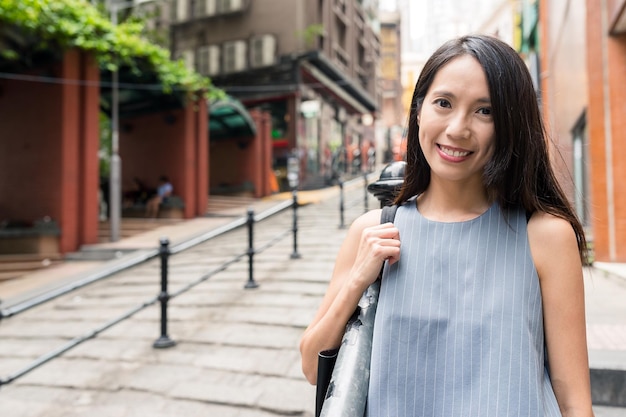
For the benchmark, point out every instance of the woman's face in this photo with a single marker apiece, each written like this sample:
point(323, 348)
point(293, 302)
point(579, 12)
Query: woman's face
point(456, 128)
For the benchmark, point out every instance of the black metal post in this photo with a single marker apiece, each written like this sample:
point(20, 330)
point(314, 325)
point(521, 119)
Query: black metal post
point(341, 205)
point(389, 183)
point(251, 283)
point(295, 254)
point(164, 340)
point(365, 207)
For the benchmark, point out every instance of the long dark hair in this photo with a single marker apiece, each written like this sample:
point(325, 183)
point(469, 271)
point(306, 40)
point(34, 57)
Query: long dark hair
point(519, 174)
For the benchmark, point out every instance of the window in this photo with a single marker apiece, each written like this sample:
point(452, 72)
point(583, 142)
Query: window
point(188, 58)
point(581, 161)
point(202, 8)
point(234, 56)
point(226, 6)
point(180, 10)
point(263, 51)
point(209, 60)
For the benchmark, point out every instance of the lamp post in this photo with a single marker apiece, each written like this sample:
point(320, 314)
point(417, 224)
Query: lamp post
point(115, 175)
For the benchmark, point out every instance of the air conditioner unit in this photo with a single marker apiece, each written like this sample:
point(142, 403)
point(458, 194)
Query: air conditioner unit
point(204, 8)
point(188, 58)
point(227, 6)
point(234, 56)
point(262, 51)
point(209, 60)
point(182, 10)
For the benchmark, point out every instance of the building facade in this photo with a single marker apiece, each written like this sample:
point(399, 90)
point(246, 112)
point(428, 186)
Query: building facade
point(393, 115)
point(311, 63)
point(556, 50)
point(602, 133)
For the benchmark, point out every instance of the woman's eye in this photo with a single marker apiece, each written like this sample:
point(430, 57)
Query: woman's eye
point(485, 111)
point(442, 102)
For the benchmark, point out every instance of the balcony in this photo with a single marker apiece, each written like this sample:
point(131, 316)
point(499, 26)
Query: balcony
point(184, 11)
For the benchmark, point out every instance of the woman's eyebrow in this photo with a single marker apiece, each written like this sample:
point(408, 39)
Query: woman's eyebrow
point(446, 93)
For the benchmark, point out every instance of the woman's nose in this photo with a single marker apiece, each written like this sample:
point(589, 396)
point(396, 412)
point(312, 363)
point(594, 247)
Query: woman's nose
point(458, 127)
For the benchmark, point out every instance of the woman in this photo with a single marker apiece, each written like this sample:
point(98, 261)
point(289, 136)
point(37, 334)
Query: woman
point(481, 308)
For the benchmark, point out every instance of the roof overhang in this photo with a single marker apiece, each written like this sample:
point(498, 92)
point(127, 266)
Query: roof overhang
point(335, 76)
point(138, 94)
point(228, 118)
point(318, 76)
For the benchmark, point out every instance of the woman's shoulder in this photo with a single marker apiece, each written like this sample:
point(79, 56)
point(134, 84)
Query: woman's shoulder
point(552, 241)
point(367, 219)
point(549, 228)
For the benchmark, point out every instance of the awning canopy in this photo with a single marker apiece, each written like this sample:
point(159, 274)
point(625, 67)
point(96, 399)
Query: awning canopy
point(228, 118)
point(138, 94)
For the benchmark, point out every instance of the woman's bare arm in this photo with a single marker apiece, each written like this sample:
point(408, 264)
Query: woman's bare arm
point(367, 245)
point(555, 252)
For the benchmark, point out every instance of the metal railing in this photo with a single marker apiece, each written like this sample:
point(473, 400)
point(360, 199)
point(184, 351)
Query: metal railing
point(342, 201)
point(164, 296)
point(164, 252)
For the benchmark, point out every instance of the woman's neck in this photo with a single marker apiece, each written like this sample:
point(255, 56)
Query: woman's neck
point(453, 202)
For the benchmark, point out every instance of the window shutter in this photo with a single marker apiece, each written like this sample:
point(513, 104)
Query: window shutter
point(234, 56)
point(209, 60)
point(263, 51)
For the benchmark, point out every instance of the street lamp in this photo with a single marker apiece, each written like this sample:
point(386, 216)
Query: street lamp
point(115, 175)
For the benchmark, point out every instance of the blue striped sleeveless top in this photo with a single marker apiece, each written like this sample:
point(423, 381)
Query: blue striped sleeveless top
point(459, 328)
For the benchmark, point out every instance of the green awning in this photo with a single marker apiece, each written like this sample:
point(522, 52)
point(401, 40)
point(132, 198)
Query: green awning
point(138, 94)
point(228, 118)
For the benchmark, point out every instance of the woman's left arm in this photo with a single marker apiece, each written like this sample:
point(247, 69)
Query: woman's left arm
point(555, 252)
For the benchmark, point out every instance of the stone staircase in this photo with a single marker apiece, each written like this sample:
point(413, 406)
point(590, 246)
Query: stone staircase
point(132, 226)
point(15, 265)
point(228, 205)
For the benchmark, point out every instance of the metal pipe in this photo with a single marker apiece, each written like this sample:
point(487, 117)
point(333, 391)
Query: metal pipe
point(341, 205)
point(365, 206)
point(295, 254)
point(164, 340)
point(115, 174)
point(251, 283)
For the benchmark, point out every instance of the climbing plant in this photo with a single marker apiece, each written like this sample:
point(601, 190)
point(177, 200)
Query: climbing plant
point(69, 24)
point(311, 33)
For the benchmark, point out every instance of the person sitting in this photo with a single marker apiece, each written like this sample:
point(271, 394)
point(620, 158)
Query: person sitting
point(138, 195)
point(164, 191)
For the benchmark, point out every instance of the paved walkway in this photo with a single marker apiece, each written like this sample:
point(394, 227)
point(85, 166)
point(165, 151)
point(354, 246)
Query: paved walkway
point(236, 349)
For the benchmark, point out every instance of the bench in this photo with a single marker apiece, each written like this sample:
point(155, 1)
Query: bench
point(173, 208)
point(41, 237)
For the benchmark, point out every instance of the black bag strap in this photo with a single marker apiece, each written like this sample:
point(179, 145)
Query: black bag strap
point(388, 214)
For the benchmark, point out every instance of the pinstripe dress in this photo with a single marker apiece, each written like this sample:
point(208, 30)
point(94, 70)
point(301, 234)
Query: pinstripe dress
point(459, 329)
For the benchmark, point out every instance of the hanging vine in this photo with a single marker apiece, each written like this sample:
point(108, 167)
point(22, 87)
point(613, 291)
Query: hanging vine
point(70, 24)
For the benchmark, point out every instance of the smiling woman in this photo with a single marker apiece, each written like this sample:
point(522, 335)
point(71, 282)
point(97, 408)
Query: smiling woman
point(457, 137)
point(481, 306)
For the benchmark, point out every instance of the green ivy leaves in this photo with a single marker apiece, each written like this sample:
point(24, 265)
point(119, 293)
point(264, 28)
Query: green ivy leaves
point(78, 24)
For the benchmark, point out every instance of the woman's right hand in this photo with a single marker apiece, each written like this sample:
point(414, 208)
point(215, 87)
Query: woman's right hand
point(377, 244)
